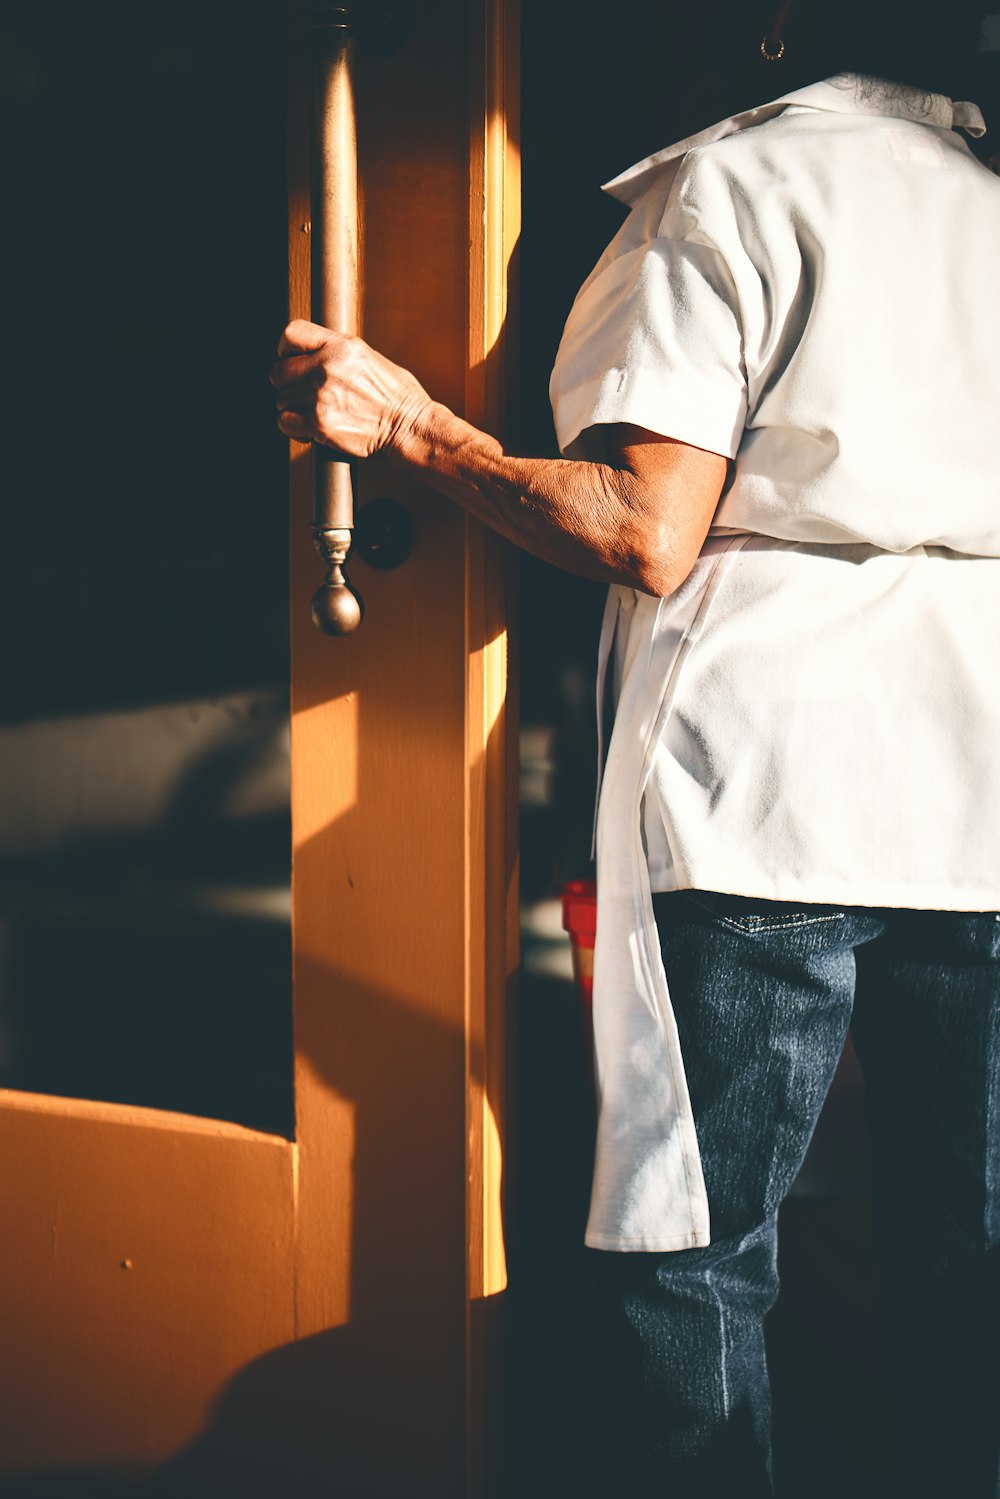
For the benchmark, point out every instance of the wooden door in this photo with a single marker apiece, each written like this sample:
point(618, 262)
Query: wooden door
point(241, 1311)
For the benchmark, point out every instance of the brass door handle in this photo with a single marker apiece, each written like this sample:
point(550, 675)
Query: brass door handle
point(336, 608)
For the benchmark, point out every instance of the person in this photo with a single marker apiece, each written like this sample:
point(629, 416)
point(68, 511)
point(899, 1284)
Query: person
point(777, 399)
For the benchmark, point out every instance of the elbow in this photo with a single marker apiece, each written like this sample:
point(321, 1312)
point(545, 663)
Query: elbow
point(653, 576)
point(655, 567)
point(664, 517)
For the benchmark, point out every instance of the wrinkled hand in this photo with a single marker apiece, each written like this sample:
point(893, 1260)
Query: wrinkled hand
point(335, 389)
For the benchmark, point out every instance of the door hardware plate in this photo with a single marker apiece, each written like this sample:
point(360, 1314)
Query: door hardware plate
point(383, 536)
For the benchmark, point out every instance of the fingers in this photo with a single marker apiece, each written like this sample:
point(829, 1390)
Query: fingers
point(338, 391)
point(301, 396)
point(294, 369)
point(302, 337)
point(302, 349)
point(294, 424)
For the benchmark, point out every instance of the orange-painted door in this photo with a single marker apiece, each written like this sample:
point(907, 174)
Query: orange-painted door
point(315, 1311)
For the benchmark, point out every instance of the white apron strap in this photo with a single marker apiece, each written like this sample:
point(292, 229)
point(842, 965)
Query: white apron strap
point(649, 1190)
point(609, 624)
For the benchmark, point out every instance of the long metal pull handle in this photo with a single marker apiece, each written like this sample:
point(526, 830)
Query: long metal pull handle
point(336, 608)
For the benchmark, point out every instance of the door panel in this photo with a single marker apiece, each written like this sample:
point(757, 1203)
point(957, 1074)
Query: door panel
point(151, 1254)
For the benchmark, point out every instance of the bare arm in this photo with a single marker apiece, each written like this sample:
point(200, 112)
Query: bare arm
point(638, 516)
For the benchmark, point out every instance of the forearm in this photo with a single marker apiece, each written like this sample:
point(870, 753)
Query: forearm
point(590, 518)
point(638, 519)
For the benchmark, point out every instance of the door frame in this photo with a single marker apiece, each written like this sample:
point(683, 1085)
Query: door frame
point(474, 180)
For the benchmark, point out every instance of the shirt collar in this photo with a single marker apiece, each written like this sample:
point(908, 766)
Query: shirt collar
point(839, 95)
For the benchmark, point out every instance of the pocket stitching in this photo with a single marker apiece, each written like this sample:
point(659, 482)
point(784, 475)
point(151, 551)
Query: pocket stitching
point(750, 924)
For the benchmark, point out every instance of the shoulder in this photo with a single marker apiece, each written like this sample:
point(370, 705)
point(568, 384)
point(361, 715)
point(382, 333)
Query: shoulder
point(710, 184)
point(773, 152)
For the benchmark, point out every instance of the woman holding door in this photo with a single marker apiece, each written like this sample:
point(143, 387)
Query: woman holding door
point(777, 395)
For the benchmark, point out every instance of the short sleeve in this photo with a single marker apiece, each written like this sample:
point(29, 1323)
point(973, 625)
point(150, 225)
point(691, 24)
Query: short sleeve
point(654, 338)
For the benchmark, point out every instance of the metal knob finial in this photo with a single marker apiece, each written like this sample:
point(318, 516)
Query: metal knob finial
point(336, 608)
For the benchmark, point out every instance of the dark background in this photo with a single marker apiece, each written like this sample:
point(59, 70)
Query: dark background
point(143, 558)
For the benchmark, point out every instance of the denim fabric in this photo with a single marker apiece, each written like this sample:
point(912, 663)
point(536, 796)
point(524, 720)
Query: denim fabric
point(763, 994)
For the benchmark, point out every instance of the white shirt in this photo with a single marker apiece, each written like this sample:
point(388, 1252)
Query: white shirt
point(810, 289)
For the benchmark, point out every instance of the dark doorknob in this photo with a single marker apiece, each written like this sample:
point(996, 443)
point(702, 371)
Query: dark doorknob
point(383, 535)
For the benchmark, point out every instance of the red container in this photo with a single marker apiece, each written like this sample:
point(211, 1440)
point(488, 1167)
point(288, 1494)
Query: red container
point(579, 908)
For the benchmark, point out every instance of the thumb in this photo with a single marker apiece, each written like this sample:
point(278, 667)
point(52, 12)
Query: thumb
point(301, 337)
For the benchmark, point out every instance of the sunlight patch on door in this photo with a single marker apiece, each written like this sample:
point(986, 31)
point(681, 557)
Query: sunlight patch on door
point(327, 734)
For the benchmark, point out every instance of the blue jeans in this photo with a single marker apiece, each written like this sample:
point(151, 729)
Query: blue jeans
point(764, 994)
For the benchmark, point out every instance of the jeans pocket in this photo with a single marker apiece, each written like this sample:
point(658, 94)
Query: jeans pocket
point(748, 913)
